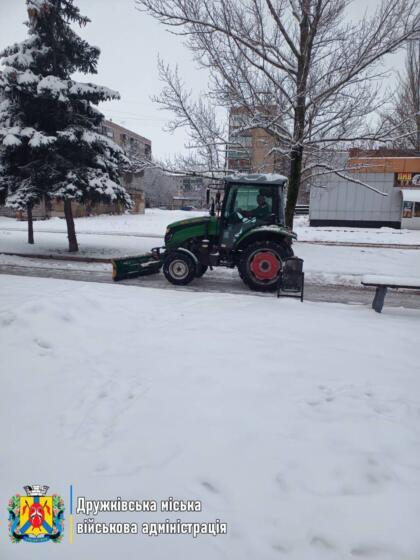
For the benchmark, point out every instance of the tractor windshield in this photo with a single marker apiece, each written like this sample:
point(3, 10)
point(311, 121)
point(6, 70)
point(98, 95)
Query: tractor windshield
point(252, 201)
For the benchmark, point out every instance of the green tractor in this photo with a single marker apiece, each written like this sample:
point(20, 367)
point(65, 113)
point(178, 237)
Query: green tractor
point(248, 233)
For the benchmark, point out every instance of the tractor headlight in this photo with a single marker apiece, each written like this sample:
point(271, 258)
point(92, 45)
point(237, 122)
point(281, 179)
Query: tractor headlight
point(168, 235)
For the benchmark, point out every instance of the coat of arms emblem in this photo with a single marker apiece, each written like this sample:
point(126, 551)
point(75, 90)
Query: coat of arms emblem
point(36, 517)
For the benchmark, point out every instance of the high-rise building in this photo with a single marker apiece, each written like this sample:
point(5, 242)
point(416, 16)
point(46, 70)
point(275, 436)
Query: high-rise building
point(250, 151)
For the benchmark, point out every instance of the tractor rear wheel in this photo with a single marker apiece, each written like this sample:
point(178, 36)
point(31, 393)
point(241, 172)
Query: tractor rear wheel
point(179, 268)
point(261, 263)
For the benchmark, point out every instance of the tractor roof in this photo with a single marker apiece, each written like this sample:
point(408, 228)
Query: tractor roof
point(258, 178)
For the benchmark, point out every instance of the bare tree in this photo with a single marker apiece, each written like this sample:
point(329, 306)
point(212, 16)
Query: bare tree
point(306, 73)
point(404, 113)
point(207, 134)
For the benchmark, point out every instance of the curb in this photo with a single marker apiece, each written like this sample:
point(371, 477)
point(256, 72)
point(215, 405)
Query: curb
point(361, 245)
point(58, 257)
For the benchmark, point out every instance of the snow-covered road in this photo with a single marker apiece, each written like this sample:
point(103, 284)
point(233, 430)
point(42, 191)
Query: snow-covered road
point(217, 281)
point(323, 264)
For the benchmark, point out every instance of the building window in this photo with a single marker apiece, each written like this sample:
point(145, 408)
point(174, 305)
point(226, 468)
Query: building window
point(417, 210)
point(243, 141)
point(407, 211)
point(108, 132)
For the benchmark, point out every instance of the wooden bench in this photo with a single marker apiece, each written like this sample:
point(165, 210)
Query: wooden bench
point(382, 283)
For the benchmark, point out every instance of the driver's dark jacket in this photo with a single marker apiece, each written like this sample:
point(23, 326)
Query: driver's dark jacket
point(260, 212)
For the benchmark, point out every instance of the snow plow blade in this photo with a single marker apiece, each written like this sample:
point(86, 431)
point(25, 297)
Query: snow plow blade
point(132, 267)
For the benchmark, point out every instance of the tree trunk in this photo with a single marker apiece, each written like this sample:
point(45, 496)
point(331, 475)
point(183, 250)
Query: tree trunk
point(294, 184)
point(30, 224)
point(71, 231)
point(304, 63)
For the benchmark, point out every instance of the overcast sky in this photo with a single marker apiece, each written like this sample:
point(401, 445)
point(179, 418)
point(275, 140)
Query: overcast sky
point(130, 42)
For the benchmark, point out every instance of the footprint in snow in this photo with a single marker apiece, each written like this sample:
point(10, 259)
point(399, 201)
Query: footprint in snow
point(209, 486)
point(7, 319)
point(322, 543)
point(42, 344)
point(281, 548)
point(371, 551)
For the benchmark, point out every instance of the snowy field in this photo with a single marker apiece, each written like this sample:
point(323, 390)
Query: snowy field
point(154, 223)
point(297, 424)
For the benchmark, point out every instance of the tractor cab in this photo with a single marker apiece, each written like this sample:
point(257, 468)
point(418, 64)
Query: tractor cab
point(251, 201)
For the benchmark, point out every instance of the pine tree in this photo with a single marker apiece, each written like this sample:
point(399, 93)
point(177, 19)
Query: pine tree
point(51, 147)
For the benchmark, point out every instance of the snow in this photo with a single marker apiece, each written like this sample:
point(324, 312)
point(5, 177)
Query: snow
point(113, 236)
point(26, 77)
point(87, 90)
point(11, 140)
point(392, 280)
point(69, 135)
point(39, 140)
point(101, 183)
point(383, 235)
point(155, 222)
point(267, 178)
point(54, 87)
point(24, 55)
point(296, 424)
point(56, 264)
point(347, 265)
point(37, 4)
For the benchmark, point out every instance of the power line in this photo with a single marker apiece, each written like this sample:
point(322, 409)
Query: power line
point(136, 115)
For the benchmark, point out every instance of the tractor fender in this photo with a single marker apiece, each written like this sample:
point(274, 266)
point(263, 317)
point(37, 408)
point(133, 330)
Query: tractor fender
point(274, 233)
point(184, 250)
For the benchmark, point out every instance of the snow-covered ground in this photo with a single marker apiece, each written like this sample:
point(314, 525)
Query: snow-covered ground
point(154, 222)
point(323, 264)
point(113, 236)
point(355, 235)
point(297, 424)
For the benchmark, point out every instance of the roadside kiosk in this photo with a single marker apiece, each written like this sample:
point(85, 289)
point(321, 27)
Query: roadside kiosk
point(410, 213)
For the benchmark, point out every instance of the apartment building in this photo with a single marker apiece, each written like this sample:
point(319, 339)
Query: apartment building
point(250, 151)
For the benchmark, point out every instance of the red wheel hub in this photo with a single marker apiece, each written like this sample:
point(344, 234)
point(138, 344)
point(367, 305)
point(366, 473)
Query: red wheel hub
point(265, 265)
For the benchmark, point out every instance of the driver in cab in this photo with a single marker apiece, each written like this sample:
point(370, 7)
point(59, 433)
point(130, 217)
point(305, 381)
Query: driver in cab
point(261, 212)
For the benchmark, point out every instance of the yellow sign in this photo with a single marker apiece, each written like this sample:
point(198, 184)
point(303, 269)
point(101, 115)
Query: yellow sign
point(403, 177)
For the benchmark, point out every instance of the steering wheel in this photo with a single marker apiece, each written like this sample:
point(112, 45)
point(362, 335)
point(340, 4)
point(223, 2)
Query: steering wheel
point(237, 216)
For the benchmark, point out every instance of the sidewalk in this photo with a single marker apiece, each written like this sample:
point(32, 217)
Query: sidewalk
point(154, 222)
point(158, 236)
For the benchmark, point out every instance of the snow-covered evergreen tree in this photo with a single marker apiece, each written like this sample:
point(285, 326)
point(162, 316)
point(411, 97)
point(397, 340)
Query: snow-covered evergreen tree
point(52, 147)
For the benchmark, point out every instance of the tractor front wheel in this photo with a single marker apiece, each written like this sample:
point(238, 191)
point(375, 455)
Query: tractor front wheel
point(179, 268)
point(261, 263)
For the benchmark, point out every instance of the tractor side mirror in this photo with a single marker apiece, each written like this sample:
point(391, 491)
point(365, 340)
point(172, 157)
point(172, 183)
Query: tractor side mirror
point(212, 212)
point(207, 197)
